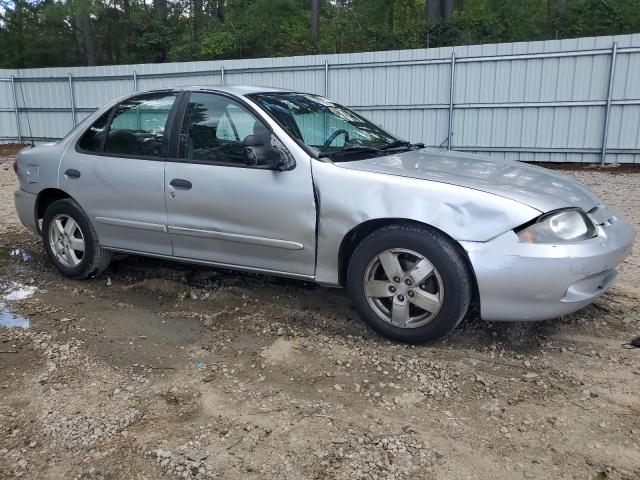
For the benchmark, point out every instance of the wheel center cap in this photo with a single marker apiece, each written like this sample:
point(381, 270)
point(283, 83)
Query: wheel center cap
point(401, 288)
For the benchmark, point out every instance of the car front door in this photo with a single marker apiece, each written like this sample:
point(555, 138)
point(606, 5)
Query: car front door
point(222, 211)
point(116, 173)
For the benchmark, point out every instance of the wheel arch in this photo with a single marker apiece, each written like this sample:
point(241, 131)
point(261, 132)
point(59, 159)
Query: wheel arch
point(45, 198)
point(358, 233)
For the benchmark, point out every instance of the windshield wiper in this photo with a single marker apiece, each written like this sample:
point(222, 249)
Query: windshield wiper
point(396, 144)
point(402, 144)
point(348, 150)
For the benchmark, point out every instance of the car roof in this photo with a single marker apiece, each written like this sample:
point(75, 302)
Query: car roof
point(240, 90)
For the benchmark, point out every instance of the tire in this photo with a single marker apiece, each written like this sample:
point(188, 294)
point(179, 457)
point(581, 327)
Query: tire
point(92, 261)
point(446, 291)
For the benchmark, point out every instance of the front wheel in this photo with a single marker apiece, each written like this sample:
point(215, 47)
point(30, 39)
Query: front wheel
point(409, 283)
point(71, 241)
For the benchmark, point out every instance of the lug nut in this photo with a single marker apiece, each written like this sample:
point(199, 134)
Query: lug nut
point(410, 293)
point(401, 298)
point(408, 281)
point(392, 289)
point(396, 279)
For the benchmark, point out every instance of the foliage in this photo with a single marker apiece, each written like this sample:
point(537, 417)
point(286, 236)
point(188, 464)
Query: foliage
point(41, 33)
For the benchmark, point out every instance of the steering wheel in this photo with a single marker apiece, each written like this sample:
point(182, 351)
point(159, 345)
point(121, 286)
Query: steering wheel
point(333, 136)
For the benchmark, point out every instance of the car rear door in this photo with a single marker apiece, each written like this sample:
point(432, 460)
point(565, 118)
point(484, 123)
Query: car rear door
point(222, 211)
point(116, 173)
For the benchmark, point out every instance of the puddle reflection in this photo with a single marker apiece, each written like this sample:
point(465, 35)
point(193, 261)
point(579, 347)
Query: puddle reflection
point(12, 291)
point(9, 319)
point(17, 291)
point(22, 254)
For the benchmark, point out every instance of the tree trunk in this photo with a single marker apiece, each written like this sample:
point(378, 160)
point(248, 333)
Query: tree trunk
point(161, 11)
point(556, 9)
point(18, 10)
point(197, 19)
point(447, 9)
point(160, 7)
point(433, 12)
point(220, 11)
point(88, 39)
point(315, 20)
point(20, 36)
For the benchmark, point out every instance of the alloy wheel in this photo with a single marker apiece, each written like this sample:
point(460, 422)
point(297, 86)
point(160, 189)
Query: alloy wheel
point(66, 240)
point(403, 288)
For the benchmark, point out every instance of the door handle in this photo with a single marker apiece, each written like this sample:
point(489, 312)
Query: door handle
point(180, 183)
point(72, 173)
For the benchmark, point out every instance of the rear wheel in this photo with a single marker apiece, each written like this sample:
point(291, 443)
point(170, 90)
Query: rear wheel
point(409, 283)
point(71, 241)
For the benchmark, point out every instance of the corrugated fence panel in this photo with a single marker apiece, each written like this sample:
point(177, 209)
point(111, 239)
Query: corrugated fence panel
point(93, 94)
point(530, 81)
point(7, 116)
point(535, 101)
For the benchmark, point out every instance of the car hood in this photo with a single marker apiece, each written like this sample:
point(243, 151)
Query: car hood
point(537, 187)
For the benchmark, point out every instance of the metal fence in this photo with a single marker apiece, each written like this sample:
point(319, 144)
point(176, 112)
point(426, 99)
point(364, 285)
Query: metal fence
point(572, 100)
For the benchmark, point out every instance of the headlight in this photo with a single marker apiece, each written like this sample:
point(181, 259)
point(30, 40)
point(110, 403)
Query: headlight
point(566, 225)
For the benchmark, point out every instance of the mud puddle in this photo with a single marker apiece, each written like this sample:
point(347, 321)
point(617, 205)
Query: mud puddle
point(9, 319)
point(8, 252)
point(13, 292)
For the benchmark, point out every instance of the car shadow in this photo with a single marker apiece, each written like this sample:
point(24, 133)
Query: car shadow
point(518, 337)
point(308, 307)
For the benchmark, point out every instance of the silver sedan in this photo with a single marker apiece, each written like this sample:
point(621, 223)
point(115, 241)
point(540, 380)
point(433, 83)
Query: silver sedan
point(292, 184)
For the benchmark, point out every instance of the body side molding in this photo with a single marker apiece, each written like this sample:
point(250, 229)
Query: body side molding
point(234, 237)
point(118, 222)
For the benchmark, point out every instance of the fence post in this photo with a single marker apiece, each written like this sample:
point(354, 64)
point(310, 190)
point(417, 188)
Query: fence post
point(222, 74)
point(15, 103)
point(605, 133)
point(73, 101)
point(451, 98)
point(135, 81)
point(326, 78)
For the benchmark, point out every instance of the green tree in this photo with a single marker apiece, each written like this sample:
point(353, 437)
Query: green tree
point(41, 33)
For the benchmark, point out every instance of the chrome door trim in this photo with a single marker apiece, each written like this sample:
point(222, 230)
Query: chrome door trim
point(235, 237)
point(265, 271)
point(118, 222)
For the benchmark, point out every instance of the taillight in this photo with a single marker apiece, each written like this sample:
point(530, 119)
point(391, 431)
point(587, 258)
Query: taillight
point(15, 166)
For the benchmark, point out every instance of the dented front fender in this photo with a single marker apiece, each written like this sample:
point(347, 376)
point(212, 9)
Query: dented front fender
point(349, 197)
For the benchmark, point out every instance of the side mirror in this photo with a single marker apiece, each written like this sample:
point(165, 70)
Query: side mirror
point(259, 155)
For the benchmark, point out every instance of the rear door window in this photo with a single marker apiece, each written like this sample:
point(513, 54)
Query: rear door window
point(93, 139)
point(138, 125)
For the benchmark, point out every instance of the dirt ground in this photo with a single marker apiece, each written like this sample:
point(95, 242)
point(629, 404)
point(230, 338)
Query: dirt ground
point(160, 370)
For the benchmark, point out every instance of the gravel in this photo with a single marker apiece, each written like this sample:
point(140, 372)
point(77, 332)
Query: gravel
point(162, 370)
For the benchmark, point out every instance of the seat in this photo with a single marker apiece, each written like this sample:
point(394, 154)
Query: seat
point(123, 142)
point(263, 132)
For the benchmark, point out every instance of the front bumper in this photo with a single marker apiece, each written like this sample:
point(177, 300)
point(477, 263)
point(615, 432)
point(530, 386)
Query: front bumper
point(520, 281)
point(26, 209)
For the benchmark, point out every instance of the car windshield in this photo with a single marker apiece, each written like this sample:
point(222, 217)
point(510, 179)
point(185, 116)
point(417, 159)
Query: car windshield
point(325, 127)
